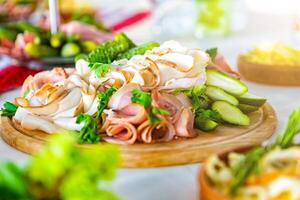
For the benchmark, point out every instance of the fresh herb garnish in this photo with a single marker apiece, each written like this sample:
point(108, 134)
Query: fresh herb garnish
point(160, 111)
point(144, 98)
point(140, 97)
point(153, 119)
point(203, 115)
point(212, 52)
point(248, 166)
point(139, 50)
point(100, 69)
point(152, 115)
point(9, 109)
point(103, 99)
point(88, 133)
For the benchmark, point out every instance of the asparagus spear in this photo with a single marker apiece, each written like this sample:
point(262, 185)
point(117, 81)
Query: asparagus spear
point(248, 165)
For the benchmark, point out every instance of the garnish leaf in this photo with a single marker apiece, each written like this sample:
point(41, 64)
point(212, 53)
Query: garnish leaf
point(103, 99)
point(100, 69)
point(153, 118)
point(140, 97)
point(9, 109)
point(139, 50)
point(160, 111)
point(88, 133)
point(212, 52)
point(202, 115)
point(154, 111)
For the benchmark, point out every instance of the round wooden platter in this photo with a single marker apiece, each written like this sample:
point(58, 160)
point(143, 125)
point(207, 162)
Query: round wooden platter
point(176, 152)
point(269, 74)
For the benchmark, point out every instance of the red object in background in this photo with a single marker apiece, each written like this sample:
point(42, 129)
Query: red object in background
point(13, 76)
point(131, 20)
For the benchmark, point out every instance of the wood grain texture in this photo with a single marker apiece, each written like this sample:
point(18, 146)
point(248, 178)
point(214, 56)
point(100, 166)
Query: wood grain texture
point(269, 74)
point(176, 152)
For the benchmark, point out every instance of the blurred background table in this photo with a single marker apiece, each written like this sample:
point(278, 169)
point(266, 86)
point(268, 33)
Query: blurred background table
point(180, 182)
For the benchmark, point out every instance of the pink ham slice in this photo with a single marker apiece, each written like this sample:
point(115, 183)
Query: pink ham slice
point(161, 132)
point(221, 64)
point(122, 97)
point(37, 81)
point(132, 113)
point(86, 32)
point(122, 133)
point(168, 102)
point(185, 124)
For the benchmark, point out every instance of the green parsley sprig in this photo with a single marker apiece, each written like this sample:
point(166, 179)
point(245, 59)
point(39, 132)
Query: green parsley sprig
point(9, 109)
point(88, 133)
point(103, 99)
point(100, 69)
point(144, 98)
point(212, 52)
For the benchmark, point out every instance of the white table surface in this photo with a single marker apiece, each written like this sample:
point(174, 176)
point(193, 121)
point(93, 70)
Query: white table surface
point(177, 183)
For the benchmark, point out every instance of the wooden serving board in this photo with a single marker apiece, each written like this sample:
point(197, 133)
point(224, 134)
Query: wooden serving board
point(269, 74)
point(176, 152)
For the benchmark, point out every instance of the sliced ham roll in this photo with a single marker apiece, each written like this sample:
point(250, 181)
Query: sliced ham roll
point(122, 133)
point(168, 102)
point(132, 113)
point(122, 97)
point(184, 100)
point(221, 64)
point(161, 132)
point(184, 126)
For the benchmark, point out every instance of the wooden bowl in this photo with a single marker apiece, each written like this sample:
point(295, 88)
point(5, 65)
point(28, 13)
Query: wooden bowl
point(206, 188)
point(269, 74)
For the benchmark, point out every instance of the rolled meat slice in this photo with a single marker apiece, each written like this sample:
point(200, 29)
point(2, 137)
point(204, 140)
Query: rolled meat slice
point(122, 97)
point(185, 124)
point(132, 113)
point(161, 132)
point(122, 133)
point(184, 100)
point(168, 102)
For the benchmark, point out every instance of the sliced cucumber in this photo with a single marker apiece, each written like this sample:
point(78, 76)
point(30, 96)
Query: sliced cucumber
point(217, 94)
point(247, 108)
point(225, 82)
point(207, 125)
point(230, 113)
point(251, 99)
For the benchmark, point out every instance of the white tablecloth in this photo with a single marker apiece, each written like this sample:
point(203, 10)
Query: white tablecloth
point(179, 182)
